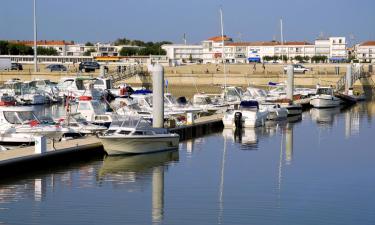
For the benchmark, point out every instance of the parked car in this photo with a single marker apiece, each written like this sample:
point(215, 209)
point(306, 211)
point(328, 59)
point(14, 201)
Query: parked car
point(56, 67)
point(298, 68)
point(17, 66)
point(90, 66)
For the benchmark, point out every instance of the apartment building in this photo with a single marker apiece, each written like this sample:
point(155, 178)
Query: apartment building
point(365, 52)
point(211, 50)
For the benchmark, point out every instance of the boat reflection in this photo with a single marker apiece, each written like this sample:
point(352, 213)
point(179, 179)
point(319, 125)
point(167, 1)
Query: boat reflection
point(139, 169)
point(248, 138)
point(324, 116)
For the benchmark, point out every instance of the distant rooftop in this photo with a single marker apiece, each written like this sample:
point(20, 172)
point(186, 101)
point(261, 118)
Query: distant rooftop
point(255, 43)
point(368, 43)
point(219, 38)
point(43, 42)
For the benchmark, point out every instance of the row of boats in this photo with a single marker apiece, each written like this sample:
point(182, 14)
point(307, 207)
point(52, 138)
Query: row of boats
point(123, 124)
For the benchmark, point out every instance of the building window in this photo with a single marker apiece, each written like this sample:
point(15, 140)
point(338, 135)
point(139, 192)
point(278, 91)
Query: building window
point(340, 41)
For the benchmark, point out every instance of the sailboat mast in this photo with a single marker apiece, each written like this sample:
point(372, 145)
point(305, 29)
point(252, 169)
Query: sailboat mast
point(223, 54)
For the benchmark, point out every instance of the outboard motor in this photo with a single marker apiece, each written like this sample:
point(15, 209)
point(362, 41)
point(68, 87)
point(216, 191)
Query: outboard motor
point(238, 120)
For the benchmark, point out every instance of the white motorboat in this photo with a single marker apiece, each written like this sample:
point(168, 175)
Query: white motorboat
point(75, 87)
point(19, 124)
point(50, 91)
point(207, 104)
point(94, 112)
point(79, 125)
point(23, 94)
point(144, 102)
point(171, 102)
point(135, 135)
point(275, 111)
point(280, 91)
point(248, 115)
point(232, 95)
point(324, 98)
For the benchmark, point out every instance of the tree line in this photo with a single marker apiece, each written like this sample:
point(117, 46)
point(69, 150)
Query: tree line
point(8, 48)
point(299, 58)
point(141, 47)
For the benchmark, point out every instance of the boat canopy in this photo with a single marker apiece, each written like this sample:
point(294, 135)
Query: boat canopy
point(249, 104)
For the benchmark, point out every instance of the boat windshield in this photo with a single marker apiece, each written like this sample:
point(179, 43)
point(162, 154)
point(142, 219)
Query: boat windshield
point(169, 99)
point(21, 117)
point(324, 91)
point(79, 118)
point(135, 122)
point(203, 100)
point(98, 107)
point(149, 100)
point(232, 92)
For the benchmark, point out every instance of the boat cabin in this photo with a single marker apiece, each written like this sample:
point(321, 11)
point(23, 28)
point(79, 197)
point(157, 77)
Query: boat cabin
point(325, 91)
point(18, 115)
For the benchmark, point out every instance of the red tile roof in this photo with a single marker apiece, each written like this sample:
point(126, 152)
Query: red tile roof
point(44, 42)
point(368, 43)
point(219, 38)
point(255, 43)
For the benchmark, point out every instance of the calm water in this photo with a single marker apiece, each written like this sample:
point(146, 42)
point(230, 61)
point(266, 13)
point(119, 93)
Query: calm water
point(319, 170)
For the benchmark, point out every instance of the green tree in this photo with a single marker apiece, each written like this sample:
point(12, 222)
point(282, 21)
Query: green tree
point(19, 49)
point(88, 52)
point(306, 58)
point(126, 51)
point(89, 44)
point(47, 51)
point(299, 58)
point(4, 47)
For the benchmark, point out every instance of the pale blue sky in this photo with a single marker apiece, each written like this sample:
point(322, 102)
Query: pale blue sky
point(155, 20)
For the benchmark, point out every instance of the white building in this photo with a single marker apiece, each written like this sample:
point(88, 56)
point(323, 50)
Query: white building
point(338, 49)
point(211, 50)
point(365, 52)
point(179, 53)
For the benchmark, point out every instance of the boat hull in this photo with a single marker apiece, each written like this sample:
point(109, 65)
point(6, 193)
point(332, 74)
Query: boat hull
point(325, 102)
point(248, 120)
point(138, 144)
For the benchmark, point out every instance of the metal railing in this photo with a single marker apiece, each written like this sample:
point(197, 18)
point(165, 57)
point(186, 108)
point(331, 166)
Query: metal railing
point(356, 75)
point(126, 72)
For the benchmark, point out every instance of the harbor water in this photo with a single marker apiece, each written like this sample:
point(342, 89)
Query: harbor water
point(316, 170)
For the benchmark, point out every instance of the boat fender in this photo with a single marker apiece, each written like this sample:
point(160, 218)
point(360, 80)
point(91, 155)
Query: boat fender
point(238, 120)
point(33, 123)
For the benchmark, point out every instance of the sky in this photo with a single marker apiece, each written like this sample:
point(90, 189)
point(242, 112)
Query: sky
point(157, 20)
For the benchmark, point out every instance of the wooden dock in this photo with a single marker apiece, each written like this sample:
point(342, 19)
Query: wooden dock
point(24, 159)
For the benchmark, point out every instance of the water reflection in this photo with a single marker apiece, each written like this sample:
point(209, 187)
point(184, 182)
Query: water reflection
point(139, 169)
point(247, 137)
point(325, 117)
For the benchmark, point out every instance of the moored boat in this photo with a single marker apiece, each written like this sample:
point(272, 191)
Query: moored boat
point(134, 135)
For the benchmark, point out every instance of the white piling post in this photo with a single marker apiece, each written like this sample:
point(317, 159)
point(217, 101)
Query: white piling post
point(158, 96)
point(348, 78)
point(40, 144)
point(290, 82)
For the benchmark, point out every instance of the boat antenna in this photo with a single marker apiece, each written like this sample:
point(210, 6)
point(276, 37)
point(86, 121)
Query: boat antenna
point(223, 53)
